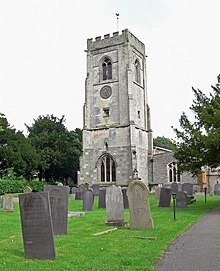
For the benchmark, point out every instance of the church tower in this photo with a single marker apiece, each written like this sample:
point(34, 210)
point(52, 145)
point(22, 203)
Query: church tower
point(117, 138)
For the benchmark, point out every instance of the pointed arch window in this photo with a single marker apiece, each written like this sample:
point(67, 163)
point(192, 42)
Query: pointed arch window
point(108, 173)
point(137, 71)
point(107, 69)
point(173, 174)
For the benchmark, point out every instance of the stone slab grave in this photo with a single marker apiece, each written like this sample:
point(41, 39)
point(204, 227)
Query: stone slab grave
point(114, 206)
point(36, 224)
point(125, 197)
point(139, 206)
point(96, 189)
point(181, 200)
point(59, 207)
point(217, 189)
point(8, 205)
point(88, 200)
point(102, 197)
point(165, 197)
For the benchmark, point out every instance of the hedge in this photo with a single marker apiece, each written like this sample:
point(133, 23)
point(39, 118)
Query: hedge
point(17, 186)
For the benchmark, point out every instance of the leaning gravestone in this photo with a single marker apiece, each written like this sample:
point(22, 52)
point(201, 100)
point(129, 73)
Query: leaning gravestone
point(187, 188)
point(88, 199)
point(165, 197)
point(102, 195)
point(8, 203)
point(139, 206)
point(114, 206)
point(217, 189)
point(181, 200)
point(36, 222)
point(59, 207)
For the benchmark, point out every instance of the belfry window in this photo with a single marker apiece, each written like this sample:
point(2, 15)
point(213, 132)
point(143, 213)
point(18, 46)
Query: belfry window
point(137, 71)
point(107, 69)
point(173, 174)
point(108, 173)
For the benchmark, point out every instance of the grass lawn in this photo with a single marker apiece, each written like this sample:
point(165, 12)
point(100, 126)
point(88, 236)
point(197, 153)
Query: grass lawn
point(117, 250)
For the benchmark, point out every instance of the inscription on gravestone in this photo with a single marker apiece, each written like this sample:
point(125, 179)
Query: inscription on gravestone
point(59, 207)
point(139, 206)
point(114, 206)
point(37, 230)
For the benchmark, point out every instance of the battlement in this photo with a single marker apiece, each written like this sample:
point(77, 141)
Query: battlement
point(116, 39)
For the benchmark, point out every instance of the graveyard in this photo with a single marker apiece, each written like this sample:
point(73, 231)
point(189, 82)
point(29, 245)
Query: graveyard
point(92, 244)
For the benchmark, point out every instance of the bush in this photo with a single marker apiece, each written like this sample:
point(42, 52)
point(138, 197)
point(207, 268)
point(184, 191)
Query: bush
point(17, 186)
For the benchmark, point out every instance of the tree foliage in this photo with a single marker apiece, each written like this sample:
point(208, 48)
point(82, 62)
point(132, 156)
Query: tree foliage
point(198, 142)
point(163, 142)
point(57, 148)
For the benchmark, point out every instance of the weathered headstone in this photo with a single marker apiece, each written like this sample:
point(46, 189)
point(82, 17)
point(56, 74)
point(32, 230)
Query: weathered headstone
point(181, 200)
point(139, 206)
point(27, 189)
point(165, 197)
point(80, 192)
point(59, 207)
point(187, 188)
point(102, 201)
point(175, 188)
point(196, 188)
point(125, 197)
point(217, 189)
point(157, 193)
point(88, 199)
point(36, 222)
point(96, 189)
point(114, 206)
point(8, 203)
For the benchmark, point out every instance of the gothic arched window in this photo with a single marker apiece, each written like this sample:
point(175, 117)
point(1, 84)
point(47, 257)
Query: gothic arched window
point(108, 173)
point(137, 72)
point(107, 69)
point(173, 174)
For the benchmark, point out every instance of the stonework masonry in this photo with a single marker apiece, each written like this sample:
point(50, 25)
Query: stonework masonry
point(116, 112)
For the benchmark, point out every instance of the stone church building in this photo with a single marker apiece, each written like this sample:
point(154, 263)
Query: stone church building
point(117, 137)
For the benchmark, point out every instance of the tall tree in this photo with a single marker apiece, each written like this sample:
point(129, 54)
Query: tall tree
point(57, 148)
point(198, 142)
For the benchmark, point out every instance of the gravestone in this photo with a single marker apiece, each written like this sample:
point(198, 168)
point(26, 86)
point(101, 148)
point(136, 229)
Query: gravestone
point(88, 200)
point(157, 193)
point(139, 206)
point(27, 189)
point(217, 189)
point(196, 188)
point(80, 192)
point(74, 190)
point(187, 188)
point(175, 188)
point(114, 206)
point(102, 196)
point(59, 207)
point(36, 222)
point(8, 203)
point(165, 197)
point(1, 201)
point(181, 200)
point(96, 189)
point(125, 198)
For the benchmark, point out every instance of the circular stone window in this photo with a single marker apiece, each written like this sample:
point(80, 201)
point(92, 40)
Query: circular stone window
point(106, 92)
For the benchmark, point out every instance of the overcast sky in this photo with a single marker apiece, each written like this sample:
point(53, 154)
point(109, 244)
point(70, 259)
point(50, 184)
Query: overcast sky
point(43, 63)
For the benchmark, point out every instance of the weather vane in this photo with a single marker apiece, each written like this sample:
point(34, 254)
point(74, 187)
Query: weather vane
point(117, 15)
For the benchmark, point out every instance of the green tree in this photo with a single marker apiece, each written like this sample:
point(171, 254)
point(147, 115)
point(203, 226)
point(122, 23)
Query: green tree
point(15, 151)
point(163, 142)
point(58, 149)
point(198, 142)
